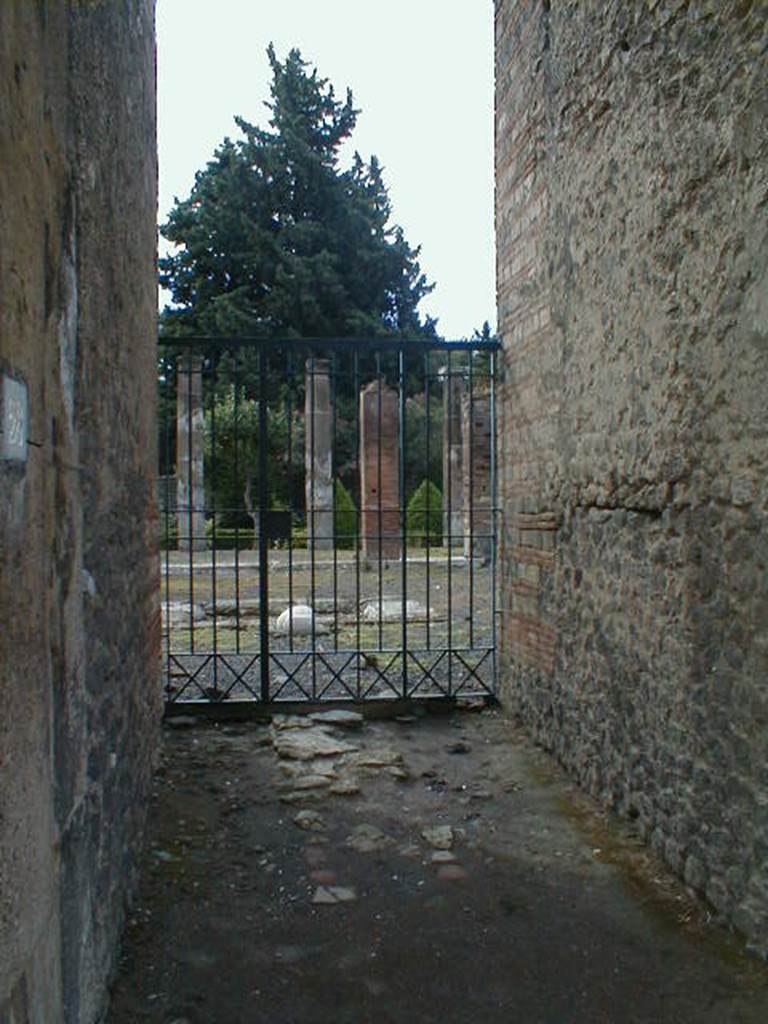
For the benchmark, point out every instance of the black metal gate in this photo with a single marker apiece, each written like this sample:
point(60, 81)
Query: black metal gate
point(328, 519)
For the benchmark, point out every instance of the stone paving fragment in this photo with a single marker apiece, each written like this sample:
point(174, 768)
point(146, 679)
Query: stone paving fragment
point(312, 782)
point(367, 839)
point(300, 769)
point(303, 796)
point(339, 719)
point(281, 722)
point(307, 744)
point(440, 837)
point(381, 757)
point(309, 821)
point(330, 894)
point(345, 786)
point(443, 857)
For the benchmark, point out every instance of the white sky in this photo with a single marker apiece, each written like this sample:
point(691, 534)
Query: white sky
point(421, 71)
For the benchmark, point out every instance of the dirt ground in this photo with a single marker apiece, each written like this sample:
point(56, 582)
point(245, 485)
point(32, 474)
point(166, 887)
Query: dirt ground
point(440, 870)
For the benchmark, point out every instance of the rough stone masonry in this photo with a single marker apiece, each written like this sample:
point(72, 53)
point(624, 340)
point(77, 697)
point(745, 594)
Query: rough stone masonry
point(79, 616)
point(632, 232)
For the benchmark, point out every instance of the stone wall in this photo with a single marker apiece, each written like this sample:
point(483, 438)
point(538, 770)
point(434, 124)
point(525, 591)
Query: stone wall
point(79, 618)
point(632, 230)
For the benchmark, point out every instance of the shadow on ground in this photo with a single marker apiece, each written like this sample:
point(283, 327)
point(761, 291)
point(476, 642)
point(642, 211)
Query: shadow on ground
point(440, 870)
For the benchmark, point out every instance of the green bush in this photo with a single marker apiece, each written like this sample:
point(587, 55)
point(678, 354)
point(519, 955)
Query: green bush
point(345, 517)
point(421, 523)
point(299, 538)
point(227, 538)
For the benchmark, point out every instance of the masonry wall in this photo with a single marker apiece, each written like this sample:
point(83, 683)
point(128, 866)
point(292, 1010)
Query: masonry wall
point(79, 627)
point(632, 232)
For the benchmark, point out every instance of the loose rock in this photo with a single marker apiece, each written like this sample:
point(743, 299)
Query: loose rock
point(299, 616)
point(440, 837)
point(329, 894)
point(309, 821)
point(367, 839)
point(306, 744)
point(381, 758)
point(345, 786)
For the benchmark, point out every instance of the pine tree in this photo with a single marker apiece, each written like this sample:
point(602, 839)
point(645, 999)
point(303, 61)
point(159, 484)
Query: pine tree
point(276, 240)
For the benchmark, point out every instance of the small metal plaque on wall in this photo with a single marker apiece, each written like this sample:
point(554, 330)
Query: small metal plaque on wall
point(13, 440)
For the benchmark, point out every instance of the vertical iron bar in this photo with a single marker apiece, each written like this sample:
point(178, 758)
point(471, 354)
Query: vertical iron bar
point(290, 501)
point(494, 523)
point(263, 539)
point(403, 537)
point(213, 528)
point(449, 403)
point(190, 511)
point(333, 505)
point(359, 519)
point(471, 471)
point(236, 397)
point(312, 532)
point(429, 517)
point(378, 495)
point(168, 513)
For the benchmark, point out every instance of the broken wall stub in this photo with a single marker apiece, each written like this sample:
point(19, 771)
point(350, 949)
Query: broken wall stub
point(453, 456)
point(633, 430)
point(318, 455)
point(79, 640)
point(190, 454)
point(380, 470)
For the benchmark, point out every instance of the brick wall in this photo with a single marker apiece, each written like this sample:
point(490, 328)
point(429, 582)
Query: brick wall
point(632, 221)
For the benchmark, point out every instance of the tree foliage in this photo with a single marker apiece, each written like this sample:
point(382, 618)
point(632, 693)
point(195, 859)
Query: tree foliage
point(345, 517)
point(424, 515)
point(276, 240)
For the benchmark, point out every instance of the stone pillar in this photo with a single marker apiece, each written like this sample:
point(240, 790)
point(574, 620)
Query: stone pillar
point(190, 480)
point(318, 455)
point(477, 436)
point(453, 458)
point(380, 470)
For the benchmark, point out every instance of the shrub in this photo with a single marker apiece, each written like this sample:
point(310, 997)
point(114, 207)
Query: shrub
point(228, 538)
point(345, 517)
point(421, 523)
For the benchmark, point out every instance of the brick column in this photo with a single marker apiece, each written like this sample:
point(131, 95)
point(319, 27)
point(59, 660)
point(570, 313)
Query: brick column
point(453, 459)
point(380, 470)
point(476, 431)
point(318, 457)
point(190, 480)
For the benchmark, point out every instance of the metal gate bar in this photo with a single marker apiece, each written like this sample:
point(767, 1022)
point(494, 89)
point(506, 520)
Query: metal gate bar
point(402, 600)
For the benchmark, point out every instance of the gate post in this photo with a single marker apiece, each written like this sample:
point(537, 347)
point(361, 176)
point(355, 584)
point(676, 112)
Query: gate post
point(190, 426)
point(453, 459)
point(380, 470)
point(478, 440)
point(318, 456)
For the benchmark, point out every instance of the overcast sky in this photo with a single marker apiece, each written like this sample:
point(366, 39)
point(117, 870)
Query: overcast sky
point(420, 70)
